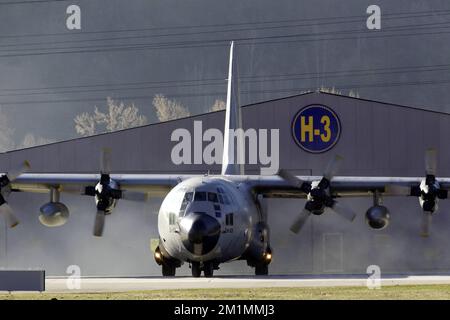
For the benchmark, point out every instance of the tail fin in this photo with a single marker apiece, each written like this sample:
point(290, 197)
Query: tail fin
point(233, 151)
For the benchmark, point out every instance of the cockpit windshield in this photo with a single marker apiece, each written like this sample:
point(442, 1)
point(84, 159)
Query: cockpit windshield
point(200, 196)
point(220, 197)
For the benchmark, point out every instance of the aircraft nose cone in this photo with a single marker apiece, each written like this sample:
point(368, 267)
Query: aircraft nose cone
point(199, 232)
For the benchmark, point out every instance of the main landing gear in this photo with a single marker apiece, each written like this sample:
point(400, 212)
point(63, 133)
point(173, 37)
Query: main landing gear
point(261, 265)
point(207, 267)
point(261, 269)
point(169, 266)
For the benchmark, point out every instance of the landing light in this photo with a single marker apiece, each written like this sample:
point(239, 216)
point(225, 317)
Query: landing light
point(158, 257)
point(268, 256)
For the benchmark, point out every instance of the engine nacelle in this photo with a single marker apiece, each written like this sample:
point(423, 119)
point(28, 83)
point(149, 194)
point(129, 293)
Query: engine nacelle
point(54, 214)
point(377, 217)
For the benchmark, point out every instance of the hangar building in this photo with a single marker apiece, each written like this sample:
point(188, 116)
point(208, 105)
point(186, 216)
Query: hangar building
point(376, 139)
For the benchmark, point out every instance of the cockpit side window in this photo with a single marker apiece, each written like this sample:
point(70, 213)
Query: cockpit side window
point(172, 218)
point(226, 200)
point(187, 198)
point(212, 197)
point(229, 219)
point(200, 196)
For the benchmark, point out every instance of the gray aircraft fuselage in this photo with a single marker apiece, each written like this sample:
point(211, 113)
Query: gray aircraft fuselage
point(211, 219)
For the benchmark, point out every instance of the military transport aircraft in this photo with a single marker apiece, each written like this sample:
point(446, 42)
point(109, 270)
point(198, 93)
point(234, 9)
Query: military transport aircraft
point(207, 220)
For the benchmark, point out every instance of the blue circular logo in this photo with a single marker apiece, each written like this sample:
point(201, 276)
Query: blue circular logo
point(316, 128)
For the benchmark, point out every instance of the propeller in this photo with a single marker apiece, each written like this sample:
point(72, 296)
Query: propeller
point(5, 190)
point(428, 191)
point(425, 224)
point(107, 192)
point(7, 211)
point(99, 224)
point(318, 195)
point(430, 161)
point(300, 220)
point(104, 192)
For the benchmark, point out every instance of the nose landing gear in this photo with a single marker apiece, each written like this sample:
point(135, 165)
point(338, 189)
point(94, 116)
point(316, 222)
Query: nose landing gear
point(207, 267)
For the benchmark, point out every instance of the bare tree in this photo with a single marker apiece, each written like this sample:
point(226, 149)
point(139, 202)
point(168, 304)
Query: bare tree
point(167, 109)
point(333, 90)
point(117, 117)
point(30, 140)
point(85, 124)
point(218, 105)
point(7, 142)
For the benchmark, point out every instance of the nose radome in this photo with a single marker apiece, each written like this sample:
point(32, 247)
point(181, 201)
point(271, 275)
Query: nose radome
point(199, 232)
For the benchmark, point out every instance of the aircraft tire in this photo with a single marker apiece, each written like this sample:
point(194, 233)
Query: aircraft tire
point(196, 270)
point(208, 269)
point(168, 270)
point(261, 269)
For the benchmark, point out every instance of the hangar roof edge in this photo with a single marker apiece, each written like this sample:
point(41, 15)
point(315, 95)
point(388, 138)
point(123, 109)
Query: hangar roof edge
point(348, 97)
point(245, 106)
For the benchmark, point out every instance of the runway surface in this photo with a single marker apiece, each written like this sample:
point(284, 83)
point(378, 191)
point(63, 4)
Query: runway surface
point(61, 285)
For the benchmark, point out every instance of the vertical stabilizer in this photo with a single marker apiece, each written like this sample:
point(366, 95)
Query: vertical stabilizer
point(233, 149)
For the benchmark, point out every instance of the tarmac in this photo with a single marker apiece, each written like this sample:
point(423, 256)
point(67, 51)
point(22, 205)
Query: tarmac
point(86, 285)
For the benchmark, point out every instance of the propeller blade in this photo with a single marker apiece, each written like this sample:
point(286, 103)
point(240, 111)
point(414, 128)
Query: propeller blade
point(15, 172)
point(333, 167)
point(11, 219)
point(300, 221)
point(344, 211)
point(425, 224)
point(105, 161)
point(292, 179)
point(99, 223)
point(397, 190)
point(431, 161)
point(134, 195)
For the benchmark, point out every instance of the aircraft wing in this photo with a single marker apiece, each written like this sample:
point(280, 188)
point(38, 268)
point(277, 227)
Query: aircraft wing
point(150, 184)
point(277, 187)
point(269, 186)
point(320, 192)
